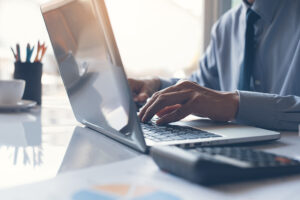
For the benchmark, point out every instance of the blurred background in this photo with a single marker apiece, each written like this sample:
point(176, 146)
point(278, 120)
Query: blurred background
point(155, 37)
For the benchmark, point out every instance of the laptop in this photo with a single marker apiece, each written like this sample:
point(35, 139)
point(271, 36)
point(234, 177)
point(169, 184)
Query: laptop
point(93, 75)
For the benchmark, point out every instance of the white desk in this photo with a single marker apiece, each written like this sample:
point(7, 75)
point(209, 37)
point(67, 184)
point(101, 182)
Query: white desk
point(48, 141)
point(42, 143)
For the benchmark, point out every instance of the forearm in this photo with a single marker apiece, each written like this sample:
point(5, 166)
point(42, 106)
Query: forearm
point(269, 110)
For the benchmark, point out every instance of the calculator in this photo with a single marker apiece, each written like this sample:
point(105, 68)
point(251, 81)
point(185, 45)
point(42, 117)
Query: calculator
point(216, 165)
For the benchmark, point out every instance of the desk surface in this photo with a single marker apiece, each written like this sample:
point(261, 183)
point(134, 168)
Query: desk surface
point(47, 141)
point(44, 142)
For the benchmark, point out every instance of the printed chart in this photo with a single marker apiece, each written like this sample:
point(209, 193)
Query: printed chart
point(123, 191)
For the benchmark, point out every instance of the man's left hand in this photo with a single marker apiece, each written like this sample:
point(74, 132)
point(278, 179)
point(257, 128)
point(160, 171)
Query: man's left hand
point(185, 98)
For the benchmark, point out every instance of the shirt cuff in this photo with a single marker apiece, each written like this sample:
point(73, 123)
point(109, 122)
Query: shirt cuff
point(256, 109)
point(164, 83)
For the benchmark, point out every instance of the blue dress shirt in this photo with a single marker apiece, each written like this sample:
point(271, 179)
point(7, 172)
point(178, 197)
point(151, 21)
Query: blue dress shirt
point(274, 101)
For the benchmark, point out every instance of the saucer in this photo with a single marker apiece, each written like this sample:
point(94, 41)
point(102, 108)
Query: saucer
point(21, 105)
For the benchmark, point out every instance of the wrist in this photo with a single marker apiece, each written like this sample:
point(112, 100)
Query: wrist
point(232, 104)
point(235, 99)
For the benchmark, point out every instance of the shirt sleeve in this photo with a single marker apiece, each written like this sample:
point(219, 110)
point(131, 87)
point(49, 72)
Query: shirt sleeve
point(269, 111)
point(164, 83)
point(207, 73)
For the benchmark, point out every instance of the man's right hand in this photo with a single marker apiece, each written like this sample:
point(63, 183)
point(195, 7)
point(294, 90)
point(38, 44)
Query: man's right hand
point(142, 89)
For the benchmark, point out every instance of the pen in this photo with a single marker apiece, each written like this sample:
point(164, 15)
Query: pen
point(29, 52)
point(44, 49)
point(38, 52)
point(16, 57)
point(18, 52)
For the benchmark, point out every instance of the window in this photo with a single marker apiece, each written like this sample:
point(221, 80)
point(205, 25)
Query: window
point(235, 2)
point(21, 22)
point(157, 37)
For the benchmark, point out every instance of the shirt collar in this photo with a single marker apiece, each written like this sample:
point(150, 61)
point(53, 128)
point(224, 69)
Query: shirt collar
point(265, 8)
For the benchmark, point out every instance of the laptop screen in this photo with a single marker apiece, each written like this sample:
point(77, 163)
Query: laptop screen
point(90, 66)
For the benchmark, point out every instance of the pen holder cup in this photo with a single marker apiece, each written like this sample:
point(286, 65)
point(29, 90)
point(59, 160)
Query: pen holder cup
point(32, 74)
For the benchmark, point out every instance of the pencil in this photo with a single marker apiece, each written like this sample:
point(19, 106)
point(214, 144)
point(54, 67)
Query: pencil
point(38, 52)
point(43, 52)
point(16, 57)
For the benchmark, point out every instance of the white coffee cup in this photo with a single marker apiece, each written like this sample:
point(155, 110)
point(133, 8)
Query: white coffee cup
point(11, 91)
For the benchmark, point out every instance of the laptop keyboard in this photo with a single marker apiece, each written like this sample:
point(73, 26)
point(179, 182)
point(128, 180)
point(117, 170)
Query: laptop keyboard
point(173, 132)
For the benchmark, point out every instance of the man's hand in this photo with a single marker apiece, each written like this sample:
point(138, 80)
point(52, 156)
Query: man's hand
point(184, 98)
point(142, 89)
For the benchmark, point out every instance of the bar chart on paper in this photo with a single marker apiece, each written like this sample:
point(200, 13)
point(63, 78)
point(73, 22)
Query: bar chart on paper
point(123, 191)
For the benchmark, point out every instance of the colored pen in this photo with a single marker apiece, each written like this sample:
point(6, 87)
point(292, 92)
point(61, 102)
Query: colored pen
point(43, 52)
point(38, 52)
point(18, 52)
point(29, 52)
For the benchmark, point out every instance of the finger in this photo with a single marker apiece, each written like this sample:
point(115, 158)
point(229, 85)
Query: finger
point(149, 103)
point(164, 100)
point(139, 93)
point(167, 110)
point(135, 85)
point(134, 89)
point(142, 97)
point(131, 83)
point(135, 98)
point(154, 97)
point(174, 116)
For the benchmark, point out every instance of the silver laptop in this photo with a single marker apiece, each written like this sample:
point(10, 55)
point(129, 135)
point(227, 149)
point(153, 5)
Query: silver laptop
point(92, 71)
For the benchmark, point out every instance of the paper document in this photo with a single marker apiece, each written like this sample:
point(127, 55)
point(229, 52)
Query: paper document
point(137, 179)
point(140, 179)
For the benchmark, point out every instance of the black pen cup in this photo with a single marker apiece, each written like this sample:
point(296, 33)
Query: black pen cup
point(32, 74)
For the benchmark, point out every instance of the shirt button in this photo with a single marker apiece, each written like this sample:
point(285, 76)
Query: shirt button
point(257, 82)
